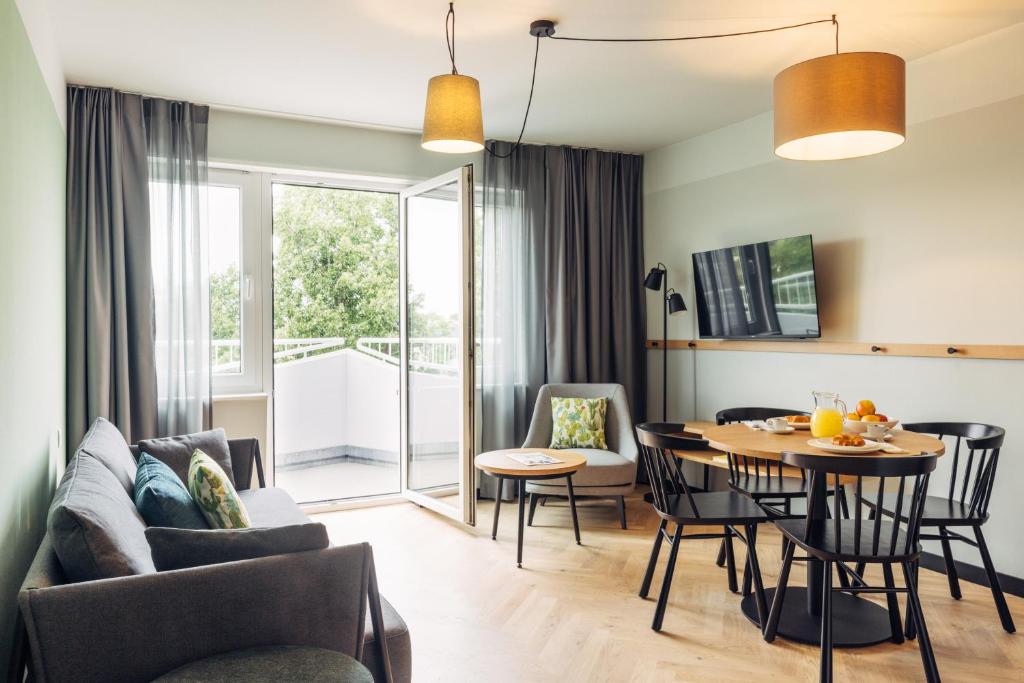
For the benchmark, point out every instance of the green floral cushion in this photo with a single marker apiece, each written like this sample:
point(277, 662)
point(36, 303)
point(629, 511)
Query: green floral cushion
point(212, 491)
point(578, 422)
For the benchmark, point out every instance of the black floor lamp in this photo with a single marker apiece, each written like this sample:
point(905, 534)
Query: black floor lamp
point(672, 302)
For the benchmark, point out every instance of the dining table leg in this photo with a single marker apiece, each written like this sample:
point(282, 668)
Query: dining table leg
point(855, 622)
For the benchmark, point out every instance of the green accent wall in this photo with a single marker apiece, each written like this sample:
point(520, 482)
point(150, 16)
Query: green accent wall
point(32, 384)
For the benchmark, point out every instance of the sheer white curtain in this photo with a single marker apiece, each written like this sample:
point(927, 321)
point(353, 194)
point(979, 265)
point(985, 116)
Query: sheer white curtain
point(176, 135)
point(512, 292)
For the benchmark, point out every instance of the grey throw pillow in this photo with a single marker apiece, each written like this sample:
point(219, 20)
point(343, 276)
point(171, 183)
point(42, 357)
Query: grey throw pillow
point(96, 531)
point(176, 451)
point(182, 548)
point(105, 442)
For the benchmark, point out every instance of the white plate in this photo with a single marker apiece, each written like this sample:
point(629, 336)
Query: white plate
point(826, 445)
point(787, 430)
point(859, 426)
point(800, 425)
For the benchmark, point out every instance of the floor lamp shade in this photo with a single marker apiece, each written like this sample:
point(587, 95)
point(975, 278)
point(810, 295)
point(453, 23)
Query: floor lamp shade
point(452, 121)
point(840, 106)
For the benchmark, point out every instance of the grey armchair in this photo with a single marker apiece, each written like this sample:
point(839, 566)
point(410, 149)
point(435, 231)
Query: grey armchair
point(609, 473)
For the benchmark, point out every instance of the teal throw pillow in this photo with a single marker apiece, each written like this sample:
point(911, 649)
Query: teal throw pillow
point(162, 499)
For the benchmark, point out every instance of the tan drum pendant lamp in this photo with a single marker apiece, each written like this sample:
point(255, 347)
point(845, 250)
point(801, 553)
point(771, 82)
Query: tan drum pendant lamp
point(453, 122)
point(840, 106)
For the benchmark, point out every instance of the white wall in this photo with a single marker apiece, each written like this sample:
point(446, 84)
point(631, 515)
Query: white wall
point(296, 144)
point(921, 244)
point(347, 398)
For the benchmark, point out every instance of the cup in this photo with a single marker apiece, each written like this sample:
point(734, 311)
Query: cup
point(876, 431)
point(776, 424)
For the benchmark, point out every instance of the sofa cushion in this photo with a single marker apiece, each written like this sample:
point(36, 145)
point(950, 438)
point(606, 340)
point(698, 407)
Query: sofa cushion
point(176, 451)
point(96, 531)
point(399, 645)
point(271, 664)
point(106, 444)
point(271, 507)
point(213, 492)
point(182, 548)
point(604, 468)
point(162, 498)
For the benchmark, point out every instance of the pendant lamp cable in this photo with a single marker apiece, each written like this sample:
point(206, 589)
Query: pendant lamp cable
point(449, 36)
point(705, 36)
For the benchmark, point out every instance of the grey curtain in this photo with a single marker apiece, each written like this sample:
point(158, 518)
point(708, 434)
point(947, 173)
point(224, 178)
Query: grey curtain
point(135, 171)
point(561, 274)
point(110, 322)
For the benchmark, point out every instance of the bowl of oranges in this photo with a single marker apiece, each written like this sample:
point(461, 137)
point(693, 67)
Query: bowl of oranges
point(857, 422)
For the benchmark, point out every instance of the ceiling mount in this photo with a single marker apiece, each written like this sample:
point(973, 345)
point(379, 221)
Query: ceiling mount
point(542, 28)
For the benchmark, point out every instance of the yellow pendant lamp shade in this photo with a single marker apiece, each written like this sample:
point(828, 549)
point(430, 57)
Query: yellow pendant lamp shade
point(840, 106)
point(452, 121)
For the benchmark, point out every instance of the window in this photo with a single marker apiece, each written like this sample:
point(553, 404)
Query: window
point(233, 232)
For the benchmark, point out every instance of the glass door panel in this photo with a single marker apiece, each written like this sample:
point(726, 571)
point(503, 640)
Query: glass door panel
point(336, 344)
point(437, 344)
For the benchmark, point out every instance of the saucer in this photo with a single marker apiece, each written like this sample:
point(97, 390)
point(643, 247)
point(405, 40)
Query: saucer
point(786, 430)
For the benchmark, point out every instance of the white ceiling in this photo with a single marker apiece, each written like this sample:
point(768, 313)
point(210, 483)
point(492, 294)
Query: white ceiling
point(368, 61)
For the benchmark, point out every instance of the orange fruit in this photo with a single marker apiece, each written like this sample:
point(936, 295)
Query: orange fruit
point(881, 417)
point(871, 418)
point(853, 416)
point(865, 407)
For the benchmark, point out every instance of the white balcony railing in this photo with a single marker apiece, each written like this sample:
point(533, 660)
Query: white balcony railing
point(227, 353)
point(439, 355)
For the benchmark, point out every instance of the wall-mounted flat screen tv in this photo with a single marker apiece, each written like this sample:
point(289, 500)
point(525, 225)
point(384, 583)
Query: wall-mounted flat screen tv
point(758, 291)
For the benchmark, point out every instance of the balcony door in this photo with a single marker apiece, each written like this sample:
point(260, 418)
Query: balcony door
point(436, 339)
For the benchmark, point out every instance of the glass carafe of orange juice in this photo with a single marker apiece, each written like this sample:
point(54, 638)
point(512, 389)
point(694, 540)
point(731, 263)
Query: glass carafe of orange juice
point(827, 418)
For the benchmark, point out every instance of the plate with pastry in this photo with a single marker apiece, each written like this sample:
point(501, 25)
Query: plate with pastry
point(799, 421)
point(846, 443)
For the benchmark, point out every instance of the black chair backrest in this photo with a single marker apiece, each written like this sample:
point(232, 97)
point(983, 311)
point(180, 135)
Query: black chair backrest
point(730, 415)
point(896, 474)
point(657, 440)
point(984, 443)
point(741, 465)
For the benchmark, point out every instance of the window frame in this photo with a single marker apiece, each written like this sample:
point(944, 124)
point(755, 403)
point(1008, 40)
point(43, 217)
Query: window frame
point(251, 378)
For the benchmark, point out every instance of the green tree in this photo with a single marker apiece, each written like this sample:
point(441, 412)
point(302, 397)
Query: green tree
point(225, 303)
point(335, 264)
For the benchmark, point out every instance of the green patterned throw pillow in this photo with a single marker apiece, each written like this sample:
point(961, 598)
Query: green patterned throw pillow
point(213, 492)
point(578, 422)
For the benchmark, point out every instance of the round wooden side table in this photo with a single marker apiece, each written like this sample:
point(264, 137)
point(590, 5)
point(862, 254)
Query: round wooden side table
point(499, 465)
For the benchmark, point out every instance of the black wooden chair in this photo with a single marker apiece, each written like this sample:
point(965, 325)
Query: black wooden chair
point(966, 503)
point(676, 503)
point(762, 480)
point(840, 542)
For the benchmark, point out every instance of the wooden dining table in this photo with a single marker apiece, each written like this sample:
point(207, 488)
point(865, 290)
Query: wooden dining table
point(856, 622)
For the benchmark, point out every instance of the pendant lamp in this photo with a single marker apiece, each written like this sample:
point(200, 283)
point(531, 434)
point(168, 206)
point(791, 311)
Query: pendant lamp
point(452, 121)
point(840, 106)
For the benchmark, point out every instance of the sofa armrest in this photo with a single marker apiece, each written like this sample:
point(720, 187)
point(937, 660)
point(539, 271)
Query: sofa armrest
point(245, 457)
point(139, 627)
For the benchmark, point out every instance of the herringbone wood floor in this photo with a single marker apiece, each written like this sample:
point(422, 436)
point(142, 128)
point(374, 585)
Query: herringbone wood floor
point(572, 612)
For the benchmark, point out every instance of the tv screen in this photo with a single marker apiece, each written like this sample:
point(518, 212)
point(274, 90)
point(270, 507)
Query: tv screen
point(757, 291)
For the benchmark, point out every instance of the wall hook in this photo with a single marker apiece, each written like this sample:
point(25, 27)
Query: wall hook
point(876, 349)
point(952, 349)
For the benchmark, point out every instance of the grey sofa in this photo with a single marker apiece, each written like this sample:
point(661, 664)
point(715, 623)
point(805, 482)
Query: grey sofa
point(609, 473)
point(136, 627)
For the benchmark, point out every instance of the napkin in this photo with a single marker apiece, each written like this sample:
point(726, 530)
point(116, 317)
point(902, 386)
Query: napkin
point(895, 450)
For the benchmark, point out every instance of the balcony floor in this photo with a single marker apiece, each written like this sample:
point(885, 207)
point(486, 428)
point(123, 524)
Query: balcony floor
point(356, 479)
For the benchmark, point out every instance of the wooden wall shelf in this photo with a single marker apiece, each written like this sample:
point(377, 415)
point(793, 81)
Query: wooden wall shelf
point(976, 351)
